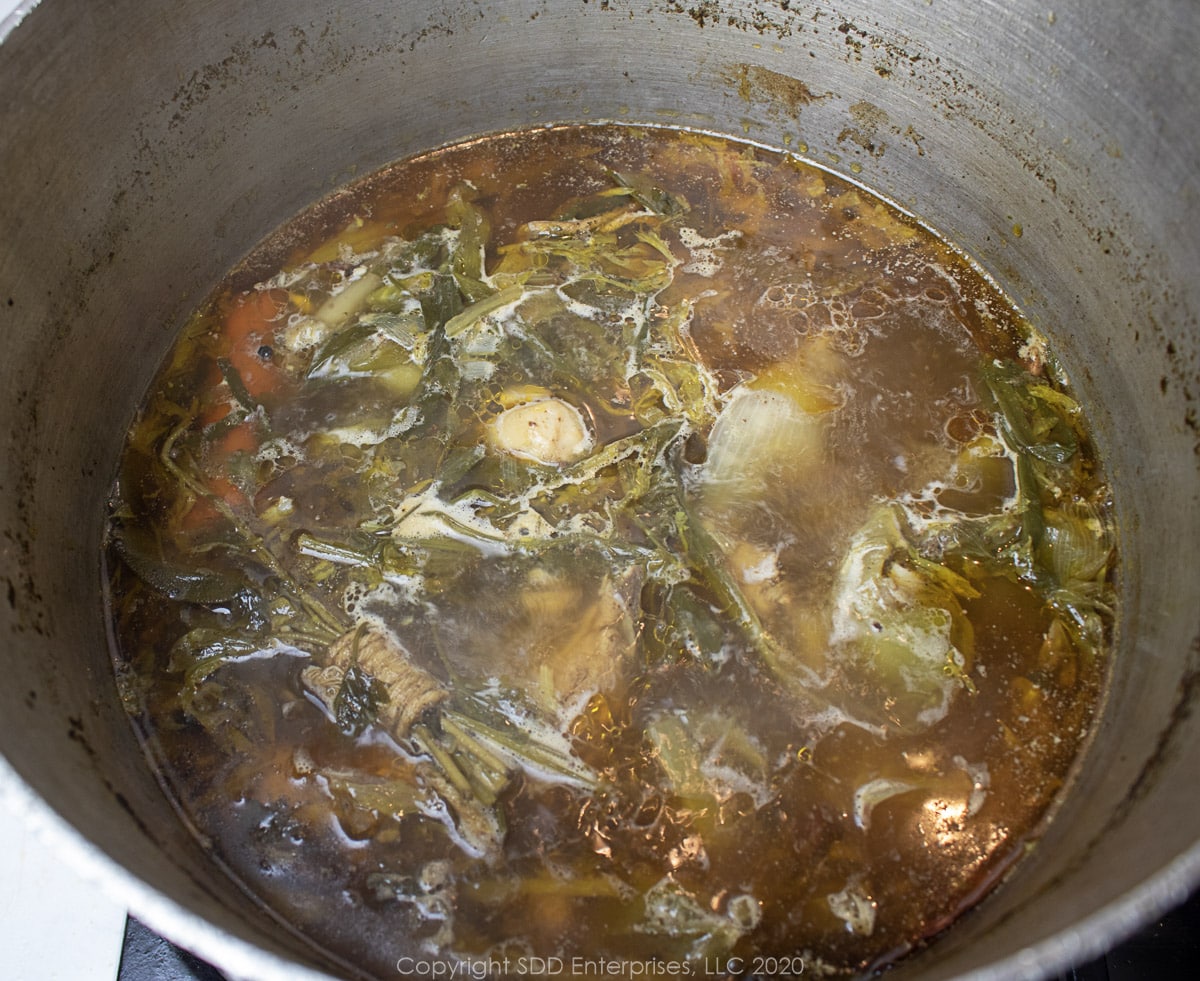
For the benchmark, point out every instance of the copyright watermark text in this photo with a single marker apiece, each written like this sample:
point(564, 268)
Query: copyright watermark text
point(491, 968)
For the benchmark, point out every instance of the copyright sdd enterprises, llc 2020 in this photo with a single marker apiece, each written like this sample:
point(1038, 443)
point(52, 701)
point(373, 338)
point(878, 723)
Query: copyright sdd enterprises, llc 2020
point(494, 968)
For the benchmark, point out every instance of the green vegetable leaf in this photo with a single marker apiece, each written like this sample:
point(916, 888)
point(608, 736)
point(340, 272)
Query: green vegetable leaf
point(178, 577)
point(1034, 418)
point(649, 194)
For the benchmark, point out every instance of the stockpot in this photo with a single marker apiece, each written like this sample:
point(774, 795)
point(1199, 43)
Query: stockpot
point(146, 146)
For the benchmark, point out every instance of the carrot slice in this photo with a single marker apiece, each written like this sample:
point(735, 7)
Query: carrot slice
point(244, 341)
point(246, 337)
point(204, 512)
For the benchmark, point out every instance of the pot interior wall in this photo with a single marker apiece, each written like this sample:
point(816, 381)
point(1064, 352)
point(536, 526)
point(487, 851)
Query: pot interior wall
point(142, 153)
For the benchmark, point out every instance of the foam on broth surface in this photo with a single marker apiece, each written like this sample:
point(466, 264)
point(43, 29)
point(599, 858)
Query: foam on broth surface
point(611, 544)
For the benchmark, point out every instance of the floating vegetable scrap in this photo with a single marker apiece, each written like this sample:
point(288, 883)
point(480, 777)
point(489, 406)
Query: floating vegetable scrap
point(611, 543)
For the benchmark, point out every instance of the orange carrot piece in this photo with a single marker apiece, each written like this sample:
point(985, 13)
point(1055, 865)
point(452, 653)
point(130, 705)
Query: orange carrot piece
point(204, 512)
point(249, 327)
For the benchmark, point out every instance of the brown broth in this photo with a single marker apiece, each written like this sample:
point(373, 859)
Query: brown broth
point(797, 670)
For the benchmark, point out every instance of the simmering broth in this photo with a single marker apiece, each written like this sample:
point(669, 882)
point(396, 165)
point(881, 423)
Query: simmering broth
point(620, 546)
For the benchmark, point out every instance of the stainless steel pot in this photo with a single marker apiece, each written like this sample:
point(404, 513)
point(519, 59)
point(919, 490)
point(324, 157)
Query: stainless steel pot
point(144, 147)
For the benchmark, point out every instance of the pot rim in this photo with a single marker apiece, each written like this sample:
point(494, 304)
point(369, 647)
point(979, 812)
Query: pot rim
point(234, 956)
point(15, 16)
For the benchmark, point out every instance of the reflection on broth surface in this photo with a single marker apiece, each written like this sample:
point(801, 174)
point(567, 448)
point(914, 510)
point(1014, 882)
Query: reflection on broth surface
point(611, 543)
